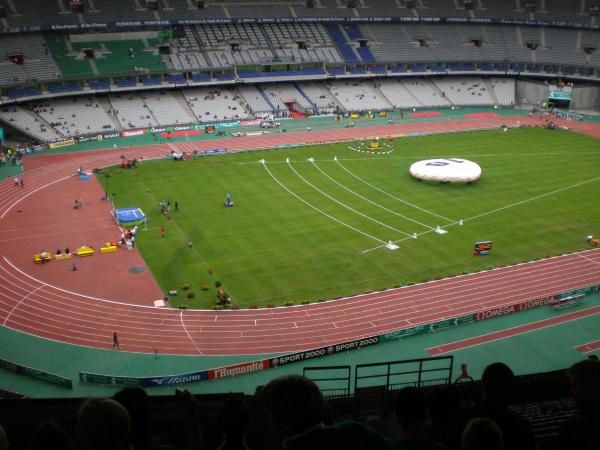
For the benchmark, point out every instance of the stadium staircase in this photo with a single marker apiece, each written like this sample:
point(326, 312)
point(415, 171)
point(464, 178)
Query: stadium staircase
point(180, 98)
point(338, 37)
point(354, 34)
point(439, 92)
point(104, 102)
point(266, 97)
point(299, 89)
point(488, 85)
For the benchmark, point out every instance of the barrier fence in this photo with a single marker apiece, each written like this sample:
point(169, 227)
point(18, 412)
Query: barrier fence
point(36, 373)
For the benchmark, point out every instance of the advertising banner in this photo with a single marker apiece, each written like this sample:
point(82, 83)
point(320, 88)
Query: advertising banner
point(517, 307)
point(323, 351)
point(64, 143)
point(129, 133)
point(36, 373)
point(250, 123)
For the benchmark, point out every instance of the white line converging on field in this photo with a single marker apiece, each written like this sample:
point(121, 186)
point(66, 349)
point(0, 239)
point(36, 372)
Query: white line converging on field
point(312, 160)
point(390, 195)
point(264, 164)
point(349, 208)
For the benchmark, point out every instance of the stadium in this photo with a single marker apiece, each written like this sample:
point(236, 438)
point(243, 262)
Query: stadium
point(207, 195)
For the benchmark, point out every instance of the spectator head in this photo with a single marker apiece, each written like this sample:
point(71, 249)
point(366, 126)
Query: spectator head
point(497, 381)
point(482, 433)
point(103, 424)
point(293, 404)
point(135, 400)
point(51, 436)
point(584, 377)
point(411, 408)
point(234, 417)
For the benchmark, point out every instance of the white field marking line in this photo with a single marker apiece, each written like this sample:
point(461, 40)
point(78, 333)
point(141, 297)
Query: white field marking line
point(19, 303)
point(318, 210)
point(33, 236)
point(390, 195)
point(469, 281)
point(589, 259)
point(511, 328)
point(556, 191)
point(398, 156)
point(346, 206)
point(188, 334)
point(366, 199)
point(404, 239)
point(18, 200)
point(77, 294)
point(588, 343)
point(102, 161)
point(501, 208)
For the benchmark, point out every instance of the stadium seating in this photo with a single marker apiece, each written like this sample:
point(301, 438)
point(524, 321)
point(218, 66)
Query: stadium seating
point(215, 104)
point(256, 99)
point(168, 107)
point(132, 112)
point(29, 123)
point(74, 116)
point(358, 95)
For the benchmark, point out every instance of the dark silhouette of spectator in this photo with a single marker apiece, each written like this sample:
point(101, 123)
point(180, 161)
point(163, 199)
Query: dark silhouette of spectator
point(411, 415)
point(296, 411)
point(496, 383)
point(51, 436)
point(234, 419)
point(192, 419)
point(136, 402)
point(103, 424)
point(581, 432)
point(444, 402)
point(482, 433)
point(3, 439)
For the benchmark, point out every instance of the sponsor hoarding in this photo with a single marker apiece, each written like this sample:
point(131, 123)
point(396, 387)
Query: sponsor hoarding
point(323, 351)
point(36, 373)
point(509, 309)
point(129, 133)
point(64, 143)
point(250, 123)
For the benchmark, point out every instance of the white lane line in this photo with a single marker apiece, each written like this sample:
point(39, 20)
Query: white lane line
point(589, 259)
point(392, 196)
point(556, 191)
point(77, 294)
point(20, 199)
point(188, 334)
point(349, 208)
point(317, 209)
point(20, 302)
point(366, 199)
point(527, 200)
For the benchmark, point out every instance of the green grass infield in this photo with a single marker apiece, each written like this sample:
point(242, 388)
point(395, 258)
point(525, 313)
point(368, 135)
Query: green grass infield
point(303, 231)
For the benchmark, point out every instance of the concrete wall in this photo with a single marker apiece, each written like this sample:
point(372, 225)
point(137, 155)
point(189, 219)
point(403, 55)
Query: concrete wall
point(531, 93)
point(586, 98)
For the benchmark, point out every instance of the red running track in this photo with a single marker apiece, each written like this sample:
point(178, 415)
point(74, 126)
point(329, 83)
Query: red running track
point(515, 331)
point(54, 310)
point(588, 347)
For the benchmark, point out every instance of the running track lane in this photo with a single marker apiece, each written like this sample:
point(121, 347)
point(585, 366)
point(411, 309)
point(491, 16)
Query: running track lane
point(30, 305)
point(588, 347)
point(515, 331)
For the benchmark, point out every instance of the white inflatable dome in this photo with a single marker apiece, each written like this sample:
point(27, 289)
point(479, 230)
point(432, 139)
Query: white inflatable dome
point(451, 170)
